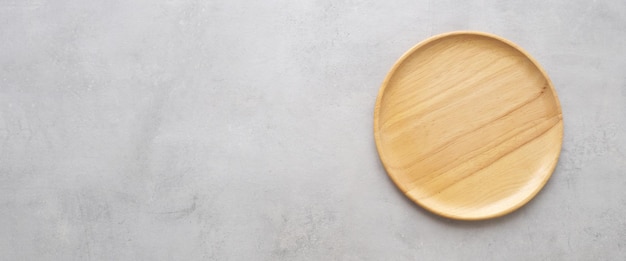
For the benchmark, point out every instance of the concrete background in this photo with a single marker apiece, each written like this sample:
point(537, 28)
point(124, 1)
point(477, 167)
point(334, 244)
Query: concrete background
point(242, 130)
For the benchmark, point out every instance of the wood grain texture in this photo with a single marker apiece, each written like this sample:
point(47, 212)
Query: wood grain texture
point(468, 125)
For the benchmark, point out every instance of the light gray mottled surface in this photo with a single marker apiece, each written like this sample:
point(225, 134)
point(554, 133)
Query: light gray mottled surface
point(242, 130)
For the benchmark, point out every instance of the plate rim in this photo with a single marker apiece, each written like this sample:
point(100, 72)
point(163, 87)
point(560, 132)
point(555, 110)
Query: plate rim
point(377, 138)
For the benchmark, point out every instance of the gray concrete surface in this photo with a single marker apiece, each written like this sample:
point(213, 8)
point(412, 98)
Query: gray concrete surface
point(242, 130)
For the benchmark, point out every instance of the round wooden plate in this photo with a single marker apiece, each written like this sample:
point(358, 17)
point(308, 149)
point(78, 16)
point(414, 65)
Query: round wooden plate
point(468, 125)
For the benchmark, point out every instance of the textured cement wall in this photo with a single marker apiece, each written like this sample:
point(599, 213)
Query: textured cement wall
point(242, 130)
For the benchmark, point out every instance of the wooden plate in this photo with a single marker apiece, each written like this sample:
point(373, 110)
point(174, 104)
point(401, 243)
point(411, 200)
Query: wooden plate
point(468, 125)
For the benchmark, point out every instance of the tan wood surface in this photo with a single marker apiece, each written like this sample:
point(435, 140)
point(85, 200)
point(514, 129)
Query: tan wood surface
point(468, 125)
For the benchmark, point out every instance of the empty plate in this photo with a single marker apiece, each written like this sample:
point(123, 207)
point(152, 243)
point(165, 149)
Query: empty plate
point(468, 125)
